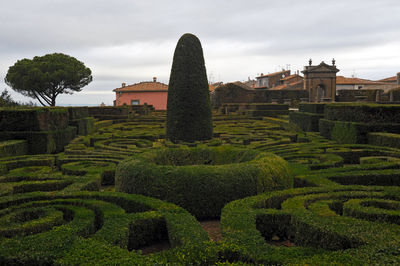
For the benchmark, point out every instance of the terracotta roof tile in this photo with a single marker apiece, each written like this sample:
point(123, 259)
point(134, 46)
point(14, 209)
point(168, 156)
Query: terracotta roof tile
point(290, 77)
point(391, 79)
point(350, 81)
point(280, 87)
point(290, 86)
point(144, 86)
point(273, 74)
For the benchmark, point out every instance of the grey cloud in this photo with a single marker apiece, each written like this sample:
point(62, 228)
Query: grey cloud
point(130, 38)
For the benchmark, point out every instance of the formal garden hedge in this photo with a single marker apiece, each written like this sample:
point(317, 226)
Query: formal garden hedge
point(13, 148)
point(33, 119)
point(308, 116)
point(343, 208)
point(202, 180)
point(365, 113)
point(384, 139)
point(265, 109)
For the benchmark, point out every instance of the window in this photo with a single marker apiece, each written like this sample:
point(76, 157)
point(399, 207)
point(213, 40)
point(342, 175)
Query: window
point(135, 102)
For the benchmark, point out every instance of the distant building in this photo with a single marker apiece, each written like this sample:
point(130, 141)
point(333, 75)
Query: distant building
point(271, 80)
point(344, 83)
point(320, 81)
point(147, 92)
point(392, 80)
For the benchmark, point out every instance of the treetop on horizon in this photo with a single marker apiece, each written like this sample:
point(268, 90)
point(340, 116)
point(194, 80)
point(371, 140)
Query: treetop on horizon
point(45, 77)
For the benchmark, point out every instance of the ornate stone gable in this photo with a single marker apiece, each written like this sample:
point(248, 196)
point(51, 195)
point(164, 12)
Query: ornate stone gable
point(320, 81)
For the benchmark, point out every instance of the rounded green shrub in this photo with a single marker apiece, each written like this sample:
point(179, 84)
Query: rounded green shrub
point(202, 179)
point(188, 104)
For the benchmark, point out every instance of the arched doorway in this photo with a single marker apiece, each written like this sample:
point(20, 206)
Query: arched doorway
point(321, 92)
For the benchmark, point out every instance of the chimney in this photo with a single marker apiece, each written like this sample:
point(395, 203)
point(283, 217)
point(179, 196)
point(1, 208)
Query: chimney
point(123, 84)
point(154, 79)
point(398, 78)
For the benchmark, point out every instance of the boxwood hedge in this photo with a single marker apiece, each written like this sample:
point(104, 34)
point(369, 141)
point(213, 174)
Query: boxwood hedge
point(202, 180)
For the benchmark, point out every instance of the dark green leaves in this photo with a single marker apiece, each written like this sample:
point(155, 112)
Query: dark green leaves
point(45, 77)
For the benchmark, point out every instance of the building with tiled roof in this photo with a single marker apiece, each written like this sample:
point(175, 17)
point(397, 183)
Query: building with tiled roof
point(297, 85)
point(345, 83)
point(148, 92)
point(389, 80)
point(271, 80)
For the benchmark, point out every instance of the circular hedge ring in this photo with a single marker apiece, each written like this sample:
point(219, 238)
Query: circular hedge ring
point(82, 228)
point(353, 225)
point(202, 179)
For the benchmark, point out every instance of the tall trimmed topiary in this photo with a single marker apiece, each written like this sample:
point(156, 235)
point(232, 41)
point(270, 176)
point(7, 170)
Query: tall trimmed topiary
point(188, 107)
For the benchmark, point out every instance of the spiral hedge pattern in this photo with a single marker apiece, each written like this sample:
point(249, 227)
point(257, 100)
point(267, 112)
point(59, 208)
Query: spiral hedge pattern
point(344, 225)
point(63, 208)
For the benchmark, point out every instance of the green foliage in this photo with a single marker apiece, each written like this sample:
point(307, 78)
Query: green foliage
point(13, 148)
point(366, 113)
point(33, 119)
point(352, 132)
point(6, 100)
point(312, 219)
point(343, 211)
point(384, 139)
point(313, 108)
point(87, 227)
point(344, 133)
point(202, 180)
point(306, 121)
point(188, 107)
point(45, 77)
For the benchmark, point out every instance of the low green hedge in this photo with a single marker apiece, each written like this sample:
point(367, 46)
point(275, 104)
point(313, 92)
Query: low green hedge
point(78, 112)
point(273, 113)
point(313, 108)
point(314, 221)
point(98, 228)
point(315, 161)
point(85, 126)
point(352, 132)
point(384, 139)
point(106, 170)
point(306, 121)
point(11, 163)
point(33, 119)
point(101, 124)
point(268, 107)
point(202, 180)
point(365, 113)
point(42, 141)
point(13, 148)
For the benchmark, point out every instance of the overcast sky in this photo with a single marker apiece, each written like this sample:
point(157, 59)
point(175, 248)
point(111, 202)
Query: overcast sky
point(132, 41)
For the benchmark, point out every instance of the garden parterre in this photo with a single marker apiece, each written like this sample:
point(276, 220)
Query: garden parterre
point(344, 207)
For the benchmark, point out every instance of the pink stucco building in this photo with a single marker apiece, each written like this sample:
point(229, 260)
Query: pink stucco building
point(149, 92)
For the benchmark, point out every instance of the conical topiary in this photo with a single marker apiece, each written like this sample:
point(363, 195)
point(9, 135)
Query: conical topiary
point(188, 106)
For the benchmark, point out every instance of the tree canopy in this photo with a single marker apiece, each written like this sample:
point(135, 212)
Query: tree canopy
point(45, 77)
point(188, 105)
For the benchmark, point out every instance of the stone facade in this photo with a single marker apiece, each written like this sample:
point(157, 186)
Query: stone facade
point(320, 82)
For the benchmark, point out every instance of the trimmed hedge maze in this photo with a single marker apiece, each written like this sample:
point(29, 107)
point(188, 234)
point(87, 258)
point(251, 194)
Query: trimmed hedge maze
point(351, 225)
point(92, 227)
point(283, 196)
